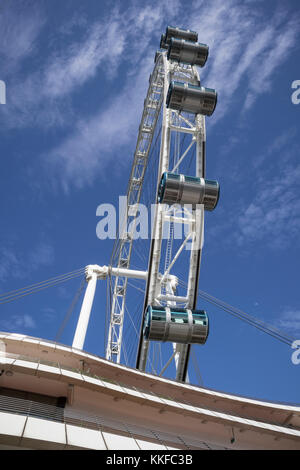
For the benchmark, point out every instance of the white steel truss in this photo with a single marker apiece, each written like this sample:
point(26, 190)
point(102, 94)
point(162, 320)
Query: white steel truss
point(175, 122)
point(152, 106)
point(157, 290)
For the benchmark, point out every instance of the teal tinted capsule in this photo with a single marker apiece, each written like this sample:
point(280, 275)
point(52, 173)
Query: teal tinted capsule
point(177, 325)
point(187, 52)
point(191, 98)
point(181, 189)
point(180, 33)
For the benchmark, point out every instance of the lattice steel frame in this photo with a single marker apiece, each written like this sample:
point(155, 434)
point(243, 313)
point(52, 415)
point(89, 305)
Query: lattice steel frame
point(173, 121)
point(152, 106)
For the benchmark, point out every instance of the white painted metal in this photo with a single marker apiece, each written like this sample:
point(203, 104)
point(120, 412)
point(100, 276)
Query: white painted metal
point(94, 272)
point(170, 290)
point(174, 298)
point(84, 316)
point(175, 122)
point(122, 254)
point(172, 121)
point(153, 267)
point(128, 273)
point(128, 400)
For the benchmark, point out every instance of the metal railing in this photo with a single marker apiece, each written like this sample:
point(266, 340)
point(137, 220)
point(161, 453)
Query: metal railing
point(31, 408)
point(125, 387)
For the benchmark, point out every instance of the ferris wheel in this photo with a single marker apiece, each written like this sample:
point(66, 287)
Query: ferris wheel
point(168, 177)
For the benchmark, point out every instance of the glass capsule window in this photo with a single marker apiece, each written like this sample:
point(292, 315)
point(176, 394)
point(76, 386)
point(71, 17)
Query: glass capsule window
point(210, 89)
point(192, 179)
point(196, 87)
point(174, 82)
point(179, 317)
point(158, 314)
point(173, 176)
point(199, 319)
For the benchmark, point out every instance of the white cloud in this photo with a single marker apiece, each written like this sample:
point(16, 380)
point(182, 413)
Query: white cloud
point(246, 48)
point(42, 97)
point(18, 323)
point(19, 266)
point(274, 213)
point(283, 143)
point(289, 320)
point(36, 99)
point(49, 314)
point(282, 45)
point(234, 59)
point(8, 263)
point(20, 26)
point(100, 141)
point(80, 61)
point(42, 255)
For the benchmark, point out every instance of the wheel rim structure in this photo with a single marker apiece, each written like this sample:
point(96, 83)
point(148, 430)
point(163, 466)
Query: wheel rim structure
point(182, 144)
point(122, 254)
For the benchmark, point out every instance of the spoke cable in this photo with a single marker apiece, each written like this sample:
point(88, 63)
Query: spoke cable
point(38, 284)
point(46, 285)
point(70, 310)
point(259, 324)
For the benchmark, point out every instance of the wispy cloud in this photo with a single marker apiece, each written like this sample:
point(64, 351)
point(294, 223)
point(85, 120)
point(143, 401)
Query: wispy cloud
point(49, 314)
point(80, 156)
point(36, 99)
point(226, 28)
point(274, 213)
point(289, 320)
point(246, 49)
point(17, 323)
point(245, 52)
point(78, 159)
point(42, 97)
point(20, 25)
point(74, 66)
point(19, 266)
point(283, 144)
point(260, 202)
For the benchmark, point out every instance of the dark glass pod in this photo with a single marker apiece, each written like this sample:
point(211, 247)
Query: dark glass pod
point(191, 98)
point(188, 52)
point(180, 33)
point(181, 189)
point(177, 325)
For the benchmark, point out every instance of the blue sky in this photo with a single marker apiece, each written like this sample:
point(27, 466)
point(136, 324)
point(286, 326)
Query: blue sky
point(76, 76)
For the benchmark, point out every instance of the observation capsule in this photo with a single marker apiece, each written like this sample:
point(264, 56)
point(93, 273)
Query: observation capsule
point(177, 325)
point(181, 189)
point(191, 98)
point(193, 53)
point(179, 33)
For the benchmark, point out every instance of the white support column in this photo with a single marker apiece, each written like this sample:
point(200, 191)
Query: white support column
point(131, 273)
point(84, 316)
point(92, 273)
